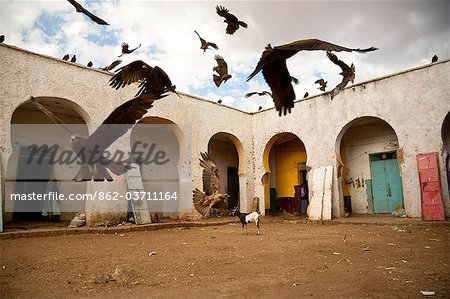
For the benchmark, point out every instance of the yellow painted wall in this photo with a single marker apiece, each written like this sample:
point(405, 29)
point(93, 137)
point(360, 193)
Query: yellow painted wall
point(287, 156)
point(267, 194)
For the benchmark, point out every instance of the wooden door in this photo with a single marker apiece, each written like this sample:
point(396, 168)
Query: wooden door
point(386, 185)
point(430, 187)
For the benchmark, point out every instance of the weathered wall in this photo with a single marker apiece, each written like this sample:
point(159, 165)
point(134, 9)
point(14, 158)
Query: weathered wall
point(41, 76)
point(414, 103)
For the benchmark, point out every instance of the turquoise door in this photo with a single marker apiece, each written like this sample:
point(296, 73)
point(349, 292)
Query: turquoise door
point(386, 185)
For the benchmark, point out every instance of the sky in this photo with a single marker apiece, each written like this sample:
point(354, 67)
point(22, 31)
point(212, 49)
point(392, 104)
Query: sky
point(407, 33)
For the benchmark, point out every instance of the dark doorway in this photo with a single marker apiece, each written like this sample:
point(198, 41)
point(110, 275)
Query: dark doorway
point(33, 174)
point(233, 187)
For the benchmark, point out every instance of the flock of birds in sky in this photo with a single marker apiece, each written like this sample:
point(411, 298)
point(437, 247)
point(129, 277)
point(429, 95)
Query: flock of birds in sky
point(272, 63)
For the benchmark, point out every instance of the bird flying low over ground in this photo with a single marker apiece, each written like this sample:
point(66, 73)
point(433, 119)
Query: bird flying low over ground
point(348, 74)
point(153, 80)
point(222, 71)
point(322, 83)
point(212, 196)
point(82, 10)
point(274, 69)
point(90, 150)
point(126, 50)
point(230, 19)
point(263, 93)
point(112, 65)
point(204, 44)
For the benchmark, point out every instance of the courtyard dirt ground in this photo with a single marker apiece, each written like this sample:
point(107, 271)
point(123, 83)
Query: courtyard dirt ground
point(290, 259)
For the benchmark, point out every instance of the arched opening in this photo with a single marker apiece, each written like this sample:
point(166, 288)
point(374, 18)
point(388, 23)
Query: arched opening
point(446, 147)
point(159, 150)
point(31, 167)
point(368, 157)
point(286, 175)
point(228, 153)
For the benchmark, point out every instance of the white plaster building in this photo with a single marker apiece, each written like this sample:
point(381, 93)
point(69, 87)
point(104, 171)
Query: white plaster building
point(259, 154)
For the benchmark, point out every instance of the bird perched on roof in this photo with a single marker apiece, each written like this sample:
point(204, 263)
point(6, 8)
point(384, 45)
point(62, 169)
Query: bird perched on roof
point(230, 19)
point(306, 95)
point(212, 196)
point(126, 50)
point(259, 108)
point(219, 101)
point(2, 38)
point(90, 151)
point(222, 71)
point(263, 93)
point(434, 59)
point(153, 80)
point(74, 58)
point(322, 83)
point(66, 57)
point(82, 10)
point(90, 64)
point(274, 69)
point(348, 74)
point(204, 44)
point(112, 65)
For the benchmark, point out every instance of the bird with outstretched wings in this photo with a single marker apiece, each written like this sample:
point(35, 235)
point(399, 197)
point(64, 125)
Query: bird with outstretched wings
point(274, 69)
point(212, 196)
point(262, 93)
point(153, 80)
point(205, 45)
point(222, 71)
point(112, 65)
point(232, 21)
point(126, 49)
point(90, 150)
point(82, 10)
point(348, 74)
point(322, 83)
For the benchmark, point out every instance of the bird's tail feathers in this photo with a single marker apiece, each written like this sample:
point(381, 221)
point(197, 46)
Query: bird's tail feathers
point(100, 173)
point(84, 174)
point(198, 199)
point(243, 24)
point(217, 80)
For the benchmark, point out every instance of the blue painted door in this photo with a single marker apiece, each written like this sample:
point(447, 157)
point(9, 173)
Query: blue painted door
point(386, 185)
